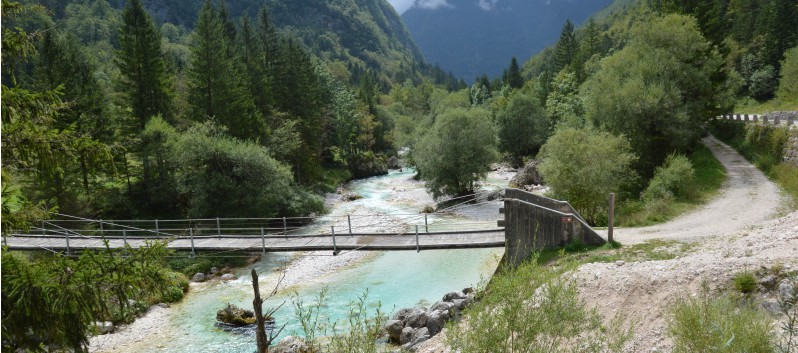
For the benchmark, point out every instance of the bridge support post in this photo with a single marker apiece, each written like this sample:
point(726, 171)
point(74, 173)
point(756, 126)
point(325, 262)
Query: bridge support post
point(418, 246)
point(285, 227)
point(191, 236)
point(349, 221)
point(157, 230)
point(66, 237)
point(335, 248)
point(426, 225)
point(44, 230)
point(102, 228)
point(263, 240)
point(124, 236)
point(611, 217)
point(218, 228)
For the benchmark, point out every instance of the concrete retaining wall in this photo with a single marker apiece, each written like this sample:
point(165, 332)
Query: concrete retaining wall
point(773, 118)
point(534, 222)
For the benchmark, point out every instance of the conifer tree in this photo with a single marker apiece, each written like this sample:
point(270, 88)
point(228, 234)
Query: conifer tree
point(217, 89)
point(512, 76)
point(566, 47)
point(140, 60)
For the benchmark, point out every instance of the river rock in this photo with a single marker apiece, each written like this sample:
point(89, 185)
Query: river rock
point(104, 327)
point(435, 321)
point(413, 346)
point(468, 290)
point(214, 270)
point(198, 277)
point(394, 329)
point(453, 295)
point(460, 304)
point(417, 319)
point(235, 316)
point(402, 314)
point(290, 344)
point(367, 165)
point(407, 335)
point(393, 163)
point(527, 176)
point(443, 306)
point(228, 277)
point(769, 281)
point(787, 291)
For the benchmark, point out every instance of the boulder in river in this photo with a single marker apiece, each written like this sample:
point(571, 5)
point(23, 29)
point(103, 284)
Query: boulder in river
point(235, 316)
point(228, 277)
point(528, 176)
point(394, 329)
point(290, 344)
point(407, 335)
point(393, 163)
point(367, 165)
point(448, 297)
point(198, 277)
point(104, 327)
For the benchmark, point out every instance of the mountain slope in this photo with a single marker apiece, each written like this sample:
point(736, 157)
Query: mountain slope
point(472, 37)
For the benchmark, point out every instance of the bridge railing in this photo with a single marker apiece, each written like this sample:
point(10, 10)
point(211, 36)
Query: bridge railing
point(788, 119)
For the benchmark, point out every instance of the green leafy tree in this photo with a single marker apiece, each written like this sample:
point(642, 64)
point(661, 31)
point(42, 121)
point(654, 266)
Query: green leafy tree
point(779, 22)
point(583, 166)
point(564, 104)
point(788, 85)
point(523, 127)
point(659, 89)
point(145, 82)
point(457, 152)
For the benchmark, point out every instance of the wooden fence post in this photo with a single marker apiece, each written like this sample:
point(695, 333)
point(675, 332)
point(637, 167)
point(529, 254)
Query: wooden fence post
point(191, 236)
point(335, 248)
point(263, 240)
point(611, 218)
point(418, 247)
point(349, 221)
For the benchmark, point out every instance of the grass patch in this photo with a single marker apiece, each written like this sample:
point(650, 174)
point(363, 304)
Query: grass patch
point(651, 250)
point(763, 146)
point(744, 282)
point(709, 176)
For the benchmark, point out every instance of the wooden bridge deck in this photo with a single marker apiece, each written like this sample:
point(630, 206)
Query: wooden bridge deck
point(272, 243)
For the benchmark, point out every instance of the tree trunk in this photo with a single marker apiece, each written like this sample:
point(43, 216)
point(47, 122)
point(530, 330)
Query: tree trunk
point(260, 330)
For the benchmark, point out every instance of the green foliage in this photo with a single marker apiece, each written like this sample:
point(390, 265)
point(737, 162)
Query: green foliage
point(457, 152)
point(710, 323)
point(186, 265)
point(744, 282)
point(53, 300)
point(708, 176)
point(141, 65)
point(671, 179)
point(583, 166)
point(564, 104)
point(659, 89)
point(358, 334)
point(533, 309)
point(763, 83)
point(512, 76)
point(788, 85)
point(523, 127)
point(225, 177)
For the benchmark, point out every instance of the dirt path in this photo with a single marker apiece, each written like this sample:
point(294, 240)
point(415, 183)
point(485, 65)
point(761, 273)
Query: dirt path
point(747, 198)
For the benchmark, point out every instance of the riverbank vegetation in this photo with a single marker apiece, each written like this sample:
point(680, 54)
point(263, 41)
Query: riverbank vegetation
point(51, 302)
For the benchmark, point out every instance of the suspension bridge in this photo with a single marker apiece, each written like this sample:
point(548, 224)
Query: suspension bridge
point(530, 219)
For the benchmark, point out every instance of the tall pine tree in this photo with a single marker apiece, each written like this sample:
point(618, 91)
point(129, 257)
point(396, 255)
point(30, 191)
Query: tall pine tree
point(565, 50)
point(145, 82)
point(512, 76)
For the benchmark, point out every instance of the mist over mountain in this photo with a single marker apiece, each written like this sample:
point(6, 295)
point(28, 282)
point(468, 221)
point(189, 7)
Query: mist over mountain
point(472, 37)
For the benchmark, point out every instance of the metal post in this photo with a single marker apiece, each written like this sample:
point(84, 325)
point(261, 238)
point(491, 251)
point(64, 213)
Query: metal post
point(611, 217)
point(102, 229)
point(418, 247)
point(263, 240)
point(426, 225)
point(335, 248)
point(191, 236)
point(44, 231)
point(157, 230)
point(285, 227)
point(124, 236)
point(218, 229)
point(66, 236)
point(349, 221)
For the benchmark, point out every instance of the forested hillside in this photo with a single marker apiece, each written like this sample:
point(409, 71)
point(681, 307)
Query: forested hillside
point(109, 112)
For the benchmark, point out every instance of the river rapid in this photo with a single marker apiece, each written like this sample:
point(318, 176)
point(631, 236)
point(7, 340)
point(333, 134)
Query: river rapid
point(393, 280)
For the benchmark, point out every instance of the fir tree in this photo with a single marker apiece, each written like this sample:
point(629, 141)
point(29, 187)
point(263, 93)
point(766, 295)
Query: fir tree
point(512, 76)
point(565, 49)
point(145, 82)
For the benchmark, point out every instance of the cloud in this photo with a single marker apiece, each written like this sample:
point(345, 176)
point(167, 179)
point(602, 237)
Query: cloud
point(402, 5)
point(488, 5)
point(433, 4)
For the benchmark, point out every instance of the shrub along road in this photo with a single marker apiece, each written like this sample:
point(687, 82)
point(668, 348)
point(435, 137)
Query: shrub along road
point(747, 198)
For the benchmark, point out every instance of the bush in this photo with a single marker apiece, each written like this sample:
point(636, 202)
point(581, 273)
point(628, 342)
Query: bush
point(672, 178)
point(583, 166)
point(744, 282)
point(718, 324)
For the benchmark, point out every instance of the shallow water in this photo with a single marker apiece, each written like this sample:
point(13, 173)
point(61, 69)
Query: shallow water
point(393, 280)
